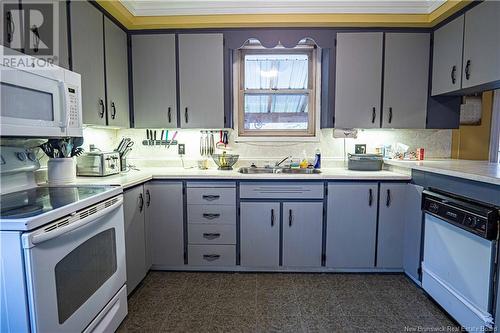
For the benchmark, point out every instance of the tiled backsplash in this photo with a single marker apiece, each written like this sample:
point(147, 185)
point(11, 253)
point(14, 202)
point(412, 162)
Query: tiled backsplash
point(437, 144)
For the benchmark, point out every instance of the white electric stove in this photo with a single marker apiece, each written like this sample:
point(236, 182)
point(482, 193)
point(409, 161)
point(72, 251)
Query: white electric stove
point(62, 252)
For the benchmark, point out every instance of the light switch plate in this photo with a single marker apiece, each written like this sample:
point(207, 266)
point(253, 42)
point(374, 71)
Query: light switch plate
point(181, 148)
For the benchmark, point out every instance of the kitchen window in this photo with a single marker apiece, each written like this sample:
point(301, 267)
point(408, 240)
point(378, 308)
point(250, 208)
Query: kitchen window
point(276, 92)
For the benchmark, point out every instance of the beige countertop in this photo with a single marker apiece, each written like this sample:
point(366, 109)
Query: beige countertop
point(481, 171)
point(135, 177)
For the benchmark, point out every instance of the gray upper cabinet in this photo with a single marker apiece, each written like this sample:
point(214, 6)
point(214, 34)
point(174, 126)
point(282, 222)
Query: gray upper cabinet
point(302, 234)
point(165, 221)
point(406, 80)
point(87, 43)
point(358, 80)
point(201, 76)
point(116, 74)
point(135, 245)
point(481, 60)
point(447, 57)
point(260, 234)
point(392, 214)
point(154, 81)
point(351, 225)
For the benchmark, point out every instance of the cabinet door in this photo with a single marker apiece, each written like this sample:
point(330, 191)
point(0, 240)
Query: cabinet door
point(11, 26)
point(406, 80)
point(413, 232)
point(165, 215)
point(154, 75)
point(302, 234)
point(447, 57)
point(351, 225)
point(392, 215)
point(481, 62)
point(135, 246)
point(358, 80)
point(87, 47)
point(116, 74)
point(260, 234)
point(201, 76)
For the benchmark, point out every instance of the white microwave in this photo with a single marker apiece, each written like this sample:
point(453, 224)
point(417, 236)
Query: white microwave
point(38, 99)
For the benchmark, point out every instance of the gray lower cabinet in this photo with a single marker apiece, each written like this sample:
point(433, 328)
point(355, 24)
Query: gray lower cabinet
point(260, 234)
point(447, 57)
point(154, 81)
point(302, 234)
point(165, 219)
point(201, 80)
point(392, 215)
point(351, 225)
point(135, 236)
point(87, 43)
point(406, 80)
point(358, 80)
point(481, 55)
point(116, 74)
point(413, 232)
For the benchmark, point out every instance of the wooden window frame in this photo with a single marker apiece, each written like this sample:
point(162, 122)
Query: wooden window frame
point(311, 93)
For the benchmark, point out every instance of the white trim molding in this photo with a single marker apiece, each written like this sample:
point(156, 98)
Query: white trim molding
point(221, 7)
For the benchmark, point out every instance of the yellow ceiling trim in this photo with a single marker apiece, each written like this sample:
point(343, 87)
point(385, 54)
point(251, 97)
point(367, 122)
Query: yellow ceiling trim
point(117, 10)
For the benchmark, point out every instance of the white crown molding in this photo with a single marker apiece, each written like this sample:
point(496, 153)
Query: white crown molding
point(221, 7)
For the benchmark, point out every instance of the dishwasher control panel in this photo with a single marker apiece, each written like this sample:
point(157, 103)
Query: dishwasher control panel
point(478, 218)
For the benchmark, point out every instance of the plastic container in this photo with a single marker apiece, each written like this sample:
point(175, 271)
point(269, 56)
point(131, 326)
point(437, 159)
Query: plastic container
point(61, 171)
point(365, 162)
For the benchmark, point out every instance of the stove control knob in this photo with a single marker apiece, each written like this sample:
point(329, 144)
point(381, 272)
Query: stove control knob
point(470, 221)
point(21, 156)
point(32, 157)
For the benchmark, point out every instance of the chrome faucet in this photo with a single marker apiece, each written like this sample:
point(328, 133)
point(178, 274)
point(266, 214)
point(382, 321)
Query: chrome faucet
point(283, 160)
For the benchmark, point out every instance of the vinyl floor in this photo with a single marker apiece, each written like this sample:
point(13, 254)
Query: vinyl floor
point(282, 302)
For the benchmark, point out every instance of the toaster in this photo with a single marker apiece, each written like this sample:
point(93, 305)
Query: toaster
point(98, 164)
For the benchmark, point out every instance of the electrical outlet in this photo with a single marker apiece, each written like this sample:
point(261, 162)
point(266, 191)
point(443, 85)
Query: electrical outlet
point(181, 148)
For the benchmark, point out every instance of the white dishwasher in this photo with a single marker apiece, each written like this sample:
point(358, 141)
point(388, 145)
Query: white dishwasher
point(459, 262)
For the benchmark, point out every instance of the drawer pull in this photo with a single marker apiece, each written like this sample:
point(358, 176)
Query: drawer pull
point(211, 236)
point(210, 216)
point(211, 257)
point(210, 197)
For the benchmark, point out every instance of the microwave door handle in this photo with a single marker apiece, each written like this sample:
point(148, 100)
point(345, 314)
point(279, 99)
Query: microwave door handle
point(40, 238)
point(64, 105)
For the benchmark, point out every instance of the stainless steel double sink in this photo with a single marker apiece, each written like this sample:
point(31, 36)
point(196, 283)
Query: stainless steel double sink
point(277, 170)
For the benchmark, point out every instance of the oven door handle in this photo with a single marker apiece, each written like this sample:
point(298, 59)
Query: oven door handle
point(43, 237)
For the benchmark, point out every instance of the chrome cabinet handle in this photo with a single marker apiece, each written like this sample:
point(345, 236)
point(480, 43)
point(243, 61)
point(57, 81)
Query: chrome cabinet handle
point(211, 236)
point(390, 115)
point(169, 114)
point(148, 198)
point(290, 217)
point(141, 202)
point(113, 110)
point(10, 26)
point(272, 217)
point(211, 216)
point(186, 117)
point(209, 197)
point(370, 197)
point(467, 70)
point(374, 115)
point(388, 200)
point(453, 74)
point(211, 257)
point(36, 34)
point(102, 111)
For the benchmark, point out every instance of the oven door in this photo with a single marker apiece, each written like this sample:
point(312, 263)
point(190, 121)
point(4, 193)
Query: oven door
point(33, 102)
point(75, 269)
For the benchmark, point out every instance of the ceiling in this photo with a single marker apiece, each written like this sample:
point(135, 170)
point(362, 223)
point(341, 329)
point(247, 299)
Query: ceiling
point(227, 7)
point(188, 14)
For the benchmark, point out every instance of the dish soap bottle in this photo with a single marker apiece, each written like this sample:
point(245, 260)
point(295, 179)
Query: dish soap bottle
point(304, 163)
point(317, 159)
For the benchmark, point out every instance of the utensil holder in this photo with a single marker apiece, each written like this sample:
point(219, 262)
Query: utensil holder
point(61, 171)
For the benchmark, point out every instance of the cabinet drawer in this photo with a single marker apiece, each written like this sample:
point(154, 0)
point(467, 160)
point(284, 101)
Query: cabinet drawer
point(211, 234)
point(212, 255)
point(215, 214)
point(211, 196)
point(295, 190)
